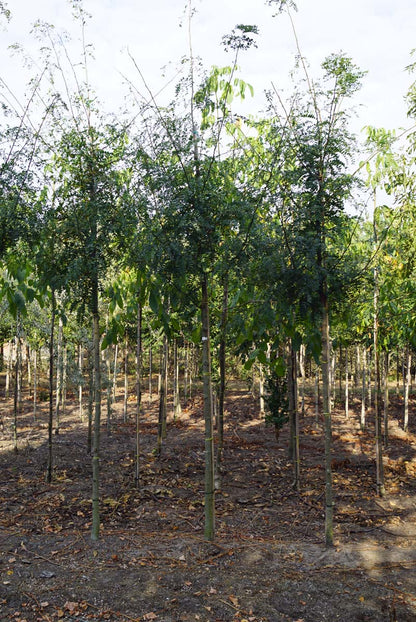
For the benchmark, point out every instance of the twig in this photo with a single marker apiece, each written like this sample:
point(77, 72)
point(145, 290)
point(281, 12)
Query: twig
point(46, 559)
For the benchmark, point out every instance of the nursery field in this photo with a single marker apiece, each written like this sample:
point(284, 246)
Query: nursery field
point(268, 562)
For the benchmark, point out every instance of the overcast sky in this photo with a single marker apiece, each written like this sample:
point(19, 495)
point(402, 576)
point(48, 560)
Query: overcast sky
point(378, 34)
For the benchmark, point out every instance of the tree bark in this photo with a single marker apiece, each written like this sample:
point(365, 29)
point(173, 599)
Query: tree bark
point(50, 420)
point(81, 412)
point(221, 392)
point(17, 374)
point(161, 428)
point(294, 416)
point(386, 399)
point(59, 375)
point(326, 404)
point(126, 378)
point(138, 392)
point(363, 390)
point(209, 530)
point(347, 407)
point(35, 383)
point(177, 410)
point(377, 389)
point(95, 529)
point(407, 378)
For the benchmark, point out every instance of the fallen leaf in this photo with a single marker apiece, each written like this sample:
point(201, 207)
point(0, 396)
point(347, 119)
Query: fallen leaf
point(150, 616)
point(71, 606)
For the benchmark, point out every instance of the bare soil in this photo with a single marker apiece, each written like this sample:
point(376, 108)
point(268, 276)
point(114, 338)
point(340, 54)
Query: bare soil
point(268, 562)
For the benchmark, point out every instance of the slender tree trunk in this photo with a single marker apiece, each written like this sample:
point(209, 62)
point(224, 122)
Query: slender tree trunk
point(9, 370)
point(159, 376)
point(294, 416)
point(386, 399)
point(64, 377)
point(209, 530)
point(261, 391)
point(35, 383)
point(19, 354)
point(17, 373)
point(29, 369)
point(126, 378)
point(377, 391)
point(81, 413)
point(186, 373)
point(317, 396)
point(138, 392)
point(303, 376)
point(191, 369)
point(363, 392)
point(50, 419)
point(407, 377)
point(369, 370)
point(59, 375)
point(333, 384)
point(150, 374)
point(109, 392)
point(340, 371)
point(91, 398)
point(95, 529)
point(115, 370)
point(347, 407)
point(326, 404)
point(221, 392)
point(177, 410)
point(162, 397)
point(357, 367)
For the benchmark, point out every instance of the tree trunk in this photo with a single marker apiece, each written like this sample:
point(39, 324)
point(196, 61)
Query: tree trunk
point(50, 419)
point(357, 367)
point(177, 410)
point(95, 529)
point(326, 404)
point(317, 396)
point(294, 416)
point(59, 375)
point(35, 383)
point(209, 530)
point(407, 378)
point(17, 374)
point(221, 392)
point(150, 374)
point(303, 376)
point(386, 399)
point(90, 397)
point(109, 392)
point(363, 391)
point(126, 378)
point(161, 428)
point(115, 369)
point(377, 389)
point(347, 407)
point(261, 391)
point(9, 370)
point(138, 392)
point(186, 374)
point(81, 413)
point(29, 369)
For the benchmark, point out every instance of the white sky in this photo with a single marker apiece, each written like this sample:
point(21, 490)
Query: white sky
point(378, 34)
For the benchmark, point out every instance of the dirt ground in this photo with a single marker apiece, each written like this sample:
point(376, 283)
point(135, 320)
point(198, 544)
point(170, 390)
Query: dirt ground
point(268, 562)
